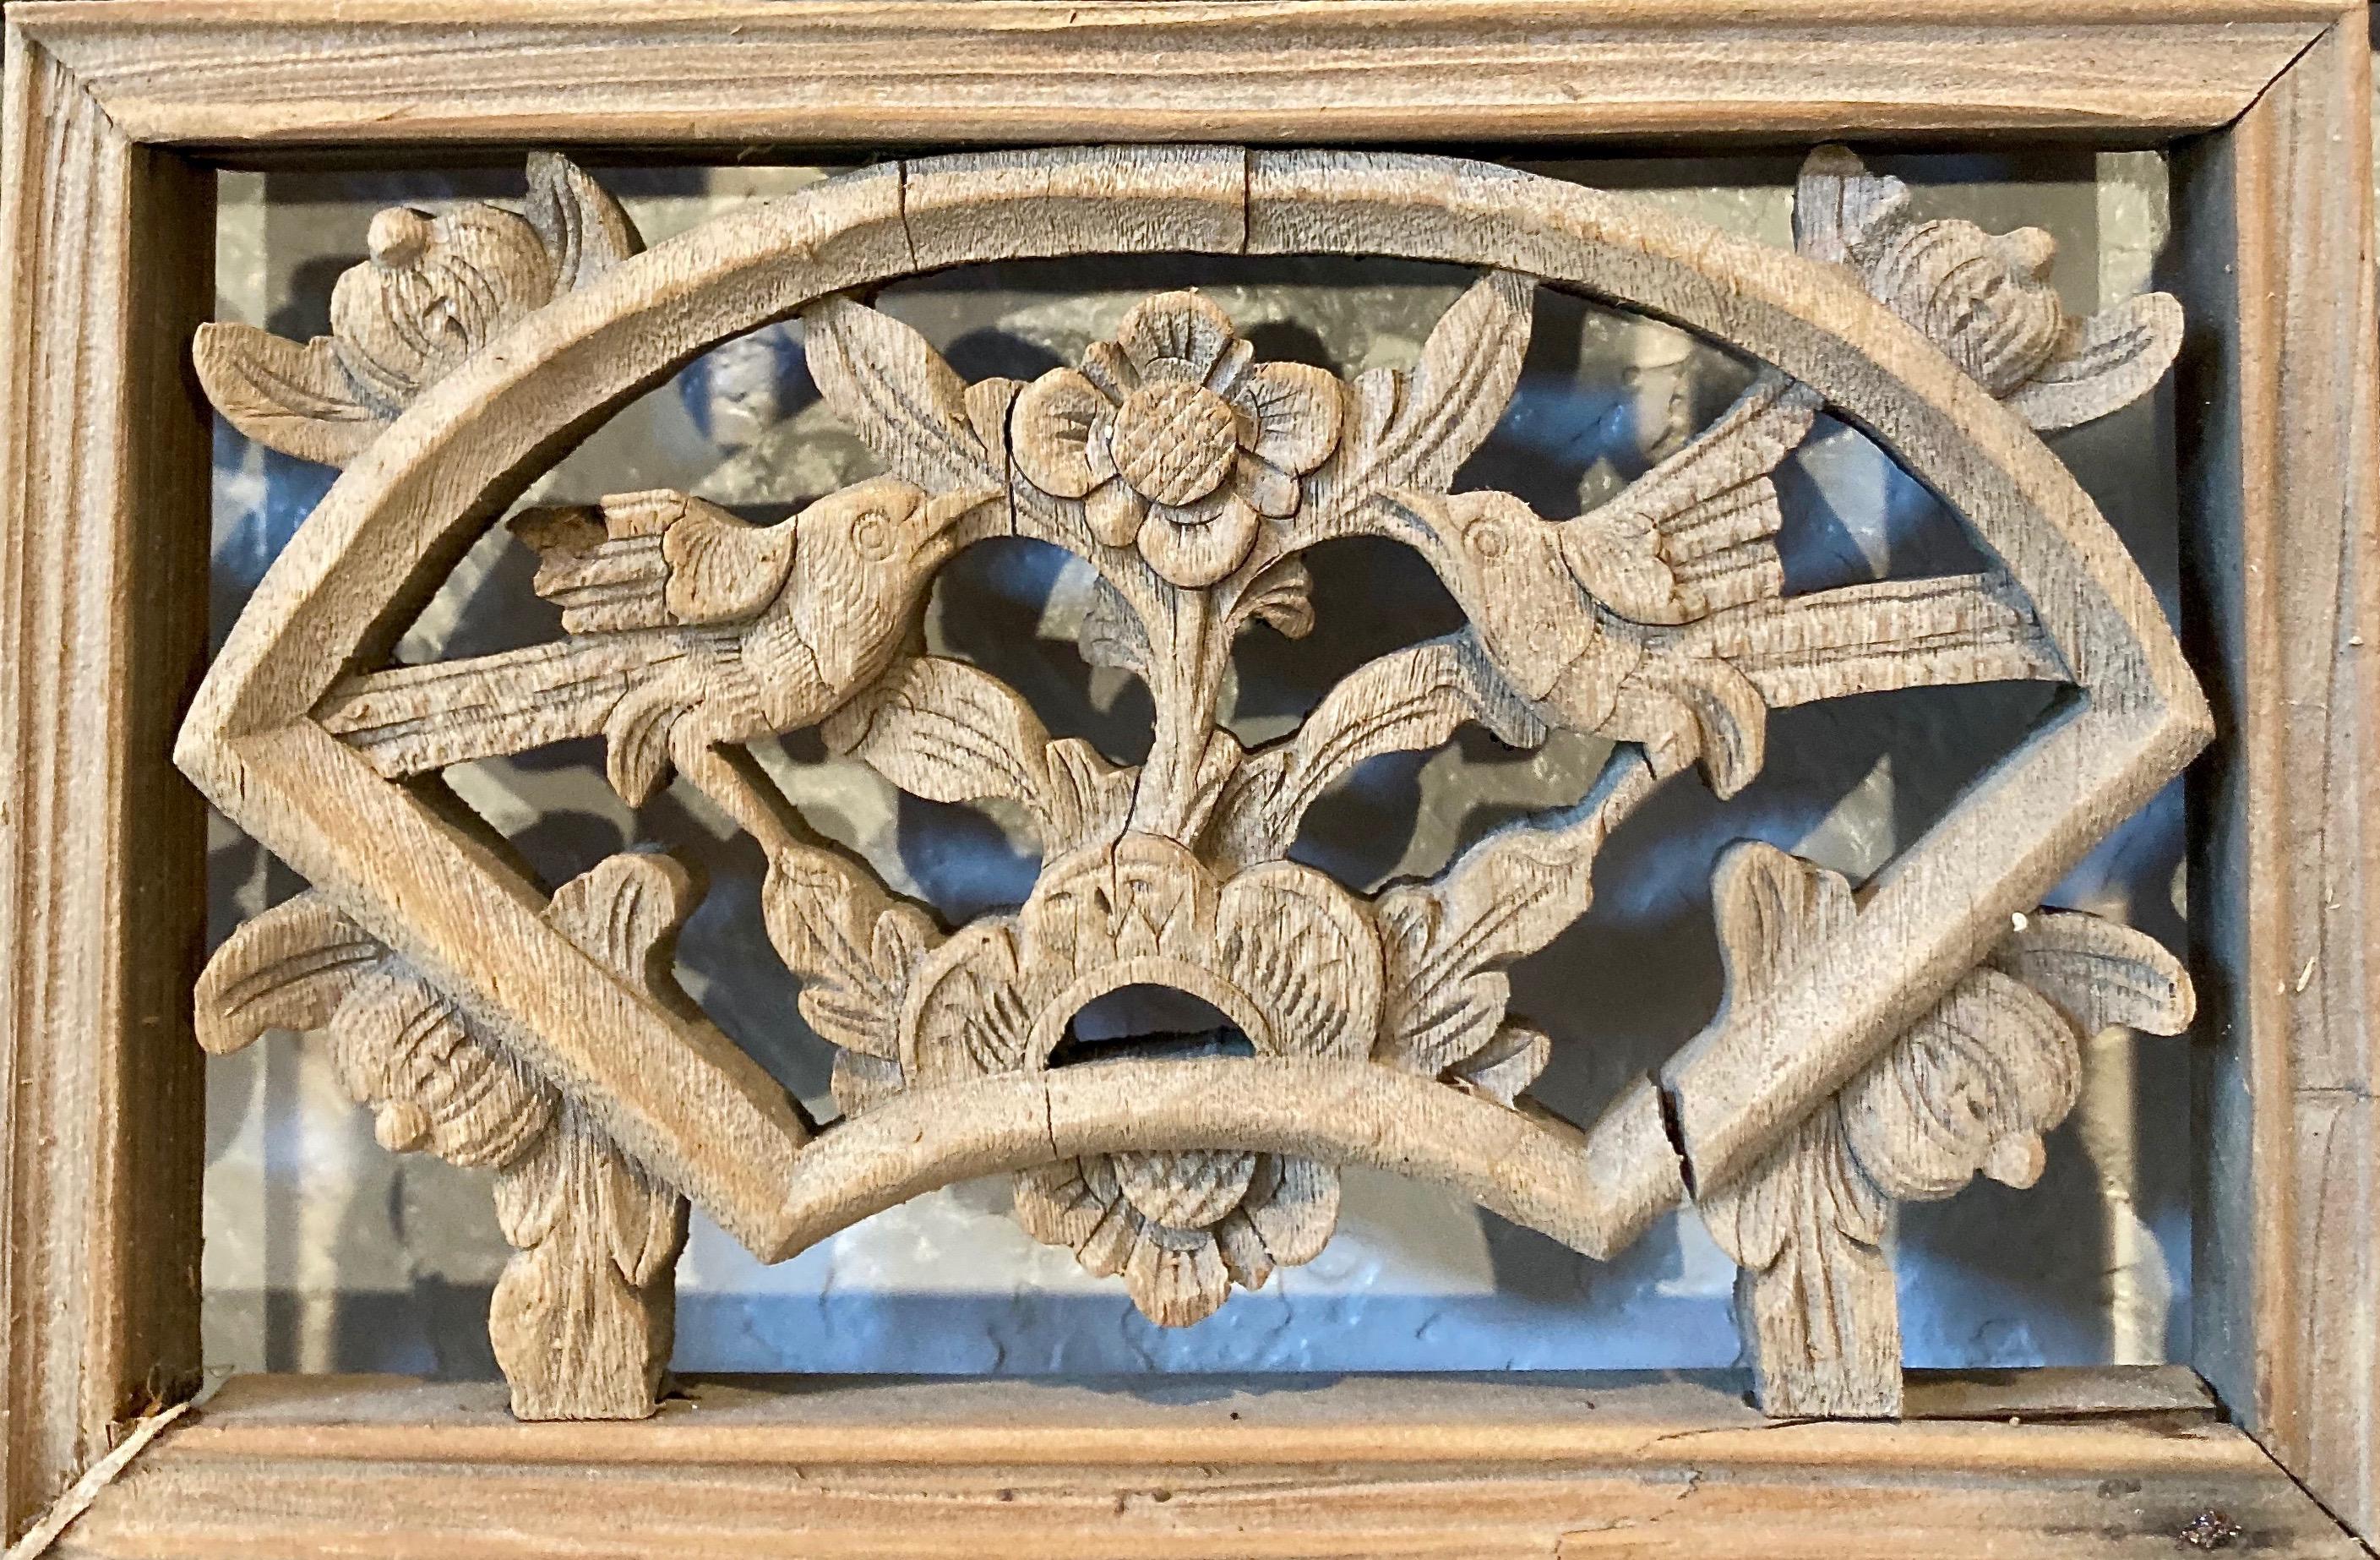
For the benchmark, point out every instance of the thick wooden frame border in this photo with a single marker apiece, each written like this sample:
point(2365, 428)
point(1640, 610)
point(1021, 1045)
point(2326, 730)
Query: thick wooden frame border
point(114, 109)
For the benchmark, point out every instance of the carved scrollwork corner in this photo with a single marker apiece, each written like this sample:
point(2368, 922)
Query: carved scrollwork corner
point(1971, 1088)
point(436, 289)
point(583, 1313)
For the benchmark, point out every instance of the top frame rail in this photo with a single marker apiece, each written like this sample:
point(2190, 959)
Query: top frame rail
point(259, 75)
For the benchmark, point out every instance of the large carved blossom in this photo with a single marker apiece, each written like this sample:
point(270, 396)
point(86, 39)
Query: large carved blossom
point(1175, 438)
point(1287, 955)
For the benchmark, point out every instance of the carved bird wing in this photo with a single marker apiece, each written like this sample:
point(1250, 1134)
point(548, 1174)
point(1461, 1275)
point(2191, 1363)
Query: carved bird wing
point(1697, 534)
point(661, 559)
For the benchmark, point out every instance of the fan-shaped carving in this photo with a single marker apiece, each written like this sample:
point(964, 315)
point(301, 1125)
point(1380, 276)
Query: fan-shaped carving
point(1865, 1053)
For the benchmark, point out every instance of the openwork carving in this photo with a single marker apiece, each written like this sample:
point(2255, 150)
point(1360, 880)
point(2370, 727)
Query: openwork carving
point(1867, 1052)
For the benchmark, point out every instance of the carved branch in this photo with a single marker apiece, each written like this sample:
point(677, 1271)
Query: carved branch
point(1501, 900)
point(1970, 1089)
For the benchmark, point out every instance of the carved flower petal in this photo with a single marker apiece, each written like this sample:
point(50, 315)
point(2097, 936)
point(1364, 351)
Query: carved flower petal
point(1296, 1215)
point(1296, 411)
point(1054, 416)
point(1105, 365)
point(1193, 551)
point(1056, 1206)
point(1242, 1251)
point(1175, 335)
point(1116, 513)
point(1223, 379)
point(1175, 1287)
point(1267, 489)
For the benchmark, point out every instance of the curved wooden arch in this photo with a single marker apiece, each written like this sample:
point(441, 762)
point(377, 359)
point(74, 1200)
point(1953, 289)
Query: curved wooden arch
point(688, 1103)
point(1530, 1169)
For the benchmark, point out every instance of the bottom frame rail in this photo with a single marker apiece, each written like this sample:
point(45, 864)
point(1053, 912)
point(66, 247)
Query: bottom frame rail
point(2049, 1463)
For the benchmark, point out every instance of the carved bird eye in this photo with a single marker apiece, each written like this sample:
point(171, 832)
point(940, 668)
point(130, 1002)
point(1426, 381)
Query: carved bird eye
point(871, 537)
point(1487, 538)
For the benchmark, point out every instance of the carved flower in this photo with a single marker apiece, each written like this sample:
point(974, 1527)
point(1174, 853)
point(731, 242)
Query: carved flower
point(1183, 1226)
point(1983, 298)
point(436, 289)
point(1286, 954)
point(1177, 439)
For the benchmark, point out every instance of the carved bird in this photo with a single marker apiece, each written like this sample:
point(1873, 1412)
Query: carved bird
point(688, 627)
point(1672, 630)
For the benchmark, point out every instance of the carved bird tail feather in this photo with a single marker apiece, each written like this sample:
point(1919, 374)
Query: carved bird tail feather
point(1707, 693)
point(1895, 633)
point(632, 688)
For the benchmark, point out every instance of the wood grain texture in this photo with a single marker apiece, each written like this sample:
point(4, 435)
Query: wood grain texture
point(106, 268)
point(1219, 1467)
point(2275, 225)
point(235, 74)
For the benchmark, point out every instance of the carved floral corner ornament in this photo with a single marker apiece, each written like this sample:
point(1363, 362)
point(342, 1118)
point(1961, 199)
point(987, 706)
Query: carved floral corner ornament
point(1868, 1051)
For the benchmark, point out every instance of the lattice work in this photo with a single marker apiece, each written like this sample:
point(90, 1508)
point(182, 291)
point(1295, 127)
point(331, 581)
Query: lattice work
point(1870, 1049)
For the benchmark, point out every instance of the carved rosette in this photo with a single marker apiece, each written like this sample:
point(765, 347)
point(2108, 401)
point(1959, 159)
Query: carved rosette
point(1190, 477)
point(1176, 440)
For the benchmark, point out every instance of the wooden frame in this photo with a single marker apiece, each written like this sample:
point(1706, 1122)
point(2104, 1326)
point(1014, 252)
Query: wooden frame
point(114, 109)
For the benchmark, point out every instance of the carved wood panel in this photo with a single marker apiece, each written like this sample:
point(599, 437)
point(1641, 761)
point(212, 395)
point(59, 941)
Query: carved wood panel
point(1873, 1046)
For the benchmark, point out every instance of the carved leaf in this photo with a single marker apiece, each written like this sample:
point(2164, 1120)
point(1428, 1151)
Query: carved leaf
point(2103, 364)
point(1417, 430)
point(1282, 596)
point(947, 731)
point(852, 944)
point(297, 399)
point(1406, 701)
point(584, 229)
point(1813, 1297)
point(898, 395)
point(2099, 973)
point(288, 969)
point(582, 1318)
point(1506, 1065)
point(1504, 899)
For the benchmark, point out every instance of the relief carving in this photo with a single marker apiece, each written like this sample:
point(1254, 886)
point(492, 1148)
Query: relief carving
point(582, 1314)
point(1190, 476)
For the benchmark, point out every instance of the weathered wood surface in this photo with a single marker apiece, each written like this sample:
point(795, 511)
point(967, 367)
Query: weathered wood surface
point(2280, 481)
point(2099, 1465)
point(103, 274)
point(1190, 475)
point(302, 73)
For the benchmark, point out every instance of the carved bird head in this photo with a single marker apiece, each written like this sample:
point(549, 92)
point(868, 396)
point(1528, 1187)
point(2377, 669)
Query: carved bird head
point(862, 558)
point(1505, 567)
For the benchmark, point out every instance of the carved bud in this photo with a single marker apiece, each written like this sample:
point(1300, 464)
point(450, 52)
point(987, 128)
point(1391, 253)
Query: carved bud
point(1983, 298)
point(434, 291)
